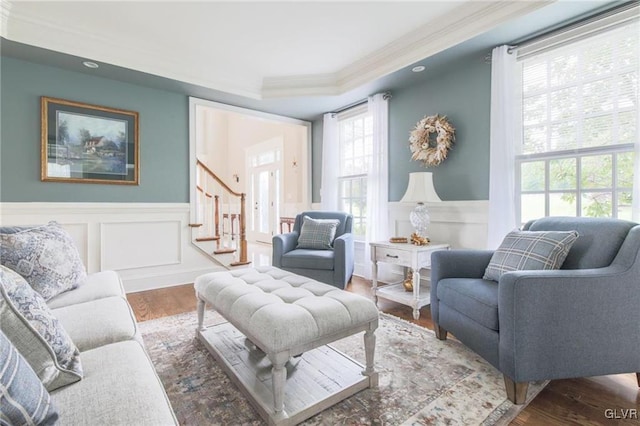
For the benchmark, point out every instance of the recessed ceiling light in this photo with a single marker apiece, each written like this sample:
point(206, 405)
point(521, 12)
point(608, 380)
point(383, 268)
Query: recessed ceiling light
point(90, 64)
point(418, 68)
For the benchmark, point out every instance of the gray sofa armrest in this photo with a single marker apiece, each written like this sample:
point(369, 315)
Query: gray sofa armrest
point(569, 323)
point(343, 247)
point(455, 264)
point(282, 244)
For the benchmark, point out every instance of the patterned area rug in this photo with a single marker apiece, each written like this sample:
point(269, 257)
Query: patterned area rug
point(423, 381)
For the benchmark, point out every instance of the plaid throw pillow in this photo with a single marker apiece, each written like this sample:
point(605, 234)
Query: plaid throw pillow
point(527, 250)
point(317, 233)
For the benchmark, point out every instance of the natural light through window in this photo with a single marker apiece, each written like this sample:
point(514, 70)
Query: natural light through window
point(356, 142)
point(579, 126)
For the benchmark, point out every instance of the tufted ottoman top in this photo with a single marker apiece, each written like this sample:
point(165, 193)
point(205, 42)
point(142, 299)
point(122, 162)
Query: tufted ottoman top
point(279, 310)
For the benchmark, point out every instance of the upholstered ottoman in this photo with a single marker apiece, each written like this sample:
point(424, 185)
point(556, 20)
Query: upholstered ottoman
point(285, 315)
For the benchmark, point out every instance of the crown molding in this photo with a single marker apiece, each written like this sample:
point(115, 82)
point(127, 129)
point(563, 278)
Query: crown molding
point(5, 12)
point(301, 85)
point(40, 32)
point(460, 24)
point(455, 27)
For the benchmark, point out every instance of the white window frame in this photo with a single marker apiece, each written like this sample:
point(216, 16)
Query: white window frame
point(350, 115)
point(577, 154)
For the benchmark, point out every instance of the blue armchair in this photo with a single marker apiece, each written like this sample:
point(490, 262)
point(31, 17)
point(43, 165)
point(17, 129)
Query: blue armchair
point(579, 321)
point(333, 267)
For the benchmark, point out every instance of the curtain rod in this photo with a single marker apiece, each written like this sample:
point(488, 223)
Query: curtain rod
point(386, 95)
point(580, 23)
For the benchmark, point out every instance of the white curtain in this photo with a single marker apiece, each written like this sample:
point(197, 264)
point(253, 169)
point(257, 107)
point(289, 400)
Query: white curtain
point(329, 185)
point(504, 136)
point(378, 177)
point(635, 208)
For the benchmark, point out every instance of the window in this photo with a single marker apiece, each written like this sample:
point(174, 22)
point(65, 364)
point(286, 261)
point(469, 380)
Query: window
point(355, 129)
point(579, 127)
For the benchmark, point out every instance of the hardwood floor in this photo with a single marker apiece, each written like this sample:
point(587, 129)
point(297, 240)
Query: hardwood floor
point(586, 401)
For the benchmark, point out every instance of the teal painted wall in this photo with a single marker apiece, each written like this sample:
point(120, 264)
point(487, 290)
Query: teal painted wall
point(462, 92)
point(164, 136)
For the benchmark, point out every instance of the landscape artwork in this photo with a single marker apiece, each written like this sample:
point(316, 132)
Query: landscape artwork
point(88, 143)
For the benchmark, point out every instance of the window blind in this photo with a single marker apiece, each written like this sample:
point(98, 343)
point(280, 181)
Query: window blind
point(582, 95)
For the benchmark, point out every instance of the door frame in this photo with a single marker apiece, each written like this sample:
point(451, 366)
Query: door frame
point(272, 144)
point(305, 167)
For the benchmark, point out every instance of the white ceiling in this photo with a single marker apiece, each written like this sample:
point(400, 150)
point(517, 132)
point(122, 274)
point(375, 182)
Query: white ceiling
point(257, 49)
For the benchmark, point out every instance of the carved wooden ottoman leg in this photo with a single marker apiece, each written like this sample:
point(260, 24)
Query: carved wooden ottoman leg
point(201, 306)
point(369, 348)
point(279, 379)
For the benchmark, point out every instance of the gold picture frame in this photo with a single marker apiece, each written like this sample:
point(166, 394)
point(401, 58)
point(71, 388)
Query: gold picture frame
point(83, 143)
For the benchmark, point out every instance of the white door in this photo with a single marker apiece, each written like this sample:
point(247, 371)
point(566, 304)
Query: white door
point(264, 163)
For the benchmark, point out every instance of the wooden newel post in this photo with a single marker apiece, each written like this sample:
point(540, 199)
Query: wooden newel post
point(243, 232)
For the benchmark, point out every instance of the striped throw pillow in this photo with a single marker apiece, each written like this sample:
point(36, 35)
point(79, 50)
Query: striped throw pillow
point(529, 250)
point(23, 398)
point(317, 233)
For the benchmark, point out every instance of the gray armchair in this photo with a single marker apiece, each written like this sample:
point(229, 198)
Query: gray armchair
point(333, 267)
point(582, 320)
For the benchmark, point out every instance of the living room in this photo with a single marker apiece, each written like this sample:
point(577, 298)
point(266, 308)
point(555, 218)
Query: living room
point(141, 229)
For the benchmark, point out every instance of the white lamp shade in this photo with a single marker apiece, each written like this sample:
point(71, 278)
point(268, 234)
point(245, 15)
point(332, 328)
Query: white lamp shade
point(420, 189)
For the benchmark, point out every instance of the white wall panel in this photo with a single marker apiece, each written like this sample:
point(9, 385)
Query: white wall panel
point(130, 245)
point(461, 224)
point(80, 234)
point(148, 244)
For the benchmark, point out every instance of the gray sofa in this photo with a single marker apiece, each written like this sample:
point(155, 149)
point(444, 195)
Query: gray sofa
point(582, 320)
point(120, 385)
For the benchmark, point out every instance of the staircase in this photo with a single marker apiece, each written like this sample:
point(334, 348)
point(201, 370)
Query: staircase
point(220, 227)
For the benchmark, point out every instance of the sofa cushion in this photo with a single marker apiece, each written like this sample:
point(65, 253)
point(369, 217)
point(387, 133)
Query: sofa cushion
point(308, 259)
point(120, 387)
point(473, 297)
point(28, 322)
point(317, 234)
point(98, 323)
point(599, 241)
point(96, 286)
point(46, 256)
point(23, 398)
point(526, 250)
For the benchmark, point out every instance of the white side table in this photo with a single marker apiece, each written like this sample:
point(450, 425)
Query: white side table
point(409, 256)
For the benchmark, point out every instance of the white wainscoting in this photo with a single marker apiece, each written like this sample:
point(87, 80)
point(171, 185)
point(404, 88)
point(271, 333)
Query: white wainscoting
point(461, 224)
point(149, 244)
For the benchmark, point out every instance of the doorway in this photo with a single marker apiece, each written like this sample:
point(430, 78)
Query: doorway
point(267, 157)
point(264, 166)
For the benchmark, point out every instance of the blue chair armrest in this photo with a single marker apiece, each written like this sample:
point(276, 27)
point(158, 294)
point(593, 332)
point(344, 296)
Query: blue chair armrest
point(569, 323)
point(343, 247)
point(282, 244)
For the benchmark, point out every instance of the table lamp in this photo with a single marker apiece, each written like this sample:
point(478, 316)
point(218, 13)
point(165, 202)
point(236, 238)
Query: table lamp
point(420, 190)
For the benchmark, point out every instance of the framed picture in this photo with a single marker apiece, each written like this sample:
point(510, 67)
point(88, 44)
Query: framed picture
point(88, 143)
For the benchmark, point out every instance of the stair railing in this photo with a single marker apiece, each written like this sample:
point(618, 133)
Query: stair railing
point(214, 213)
